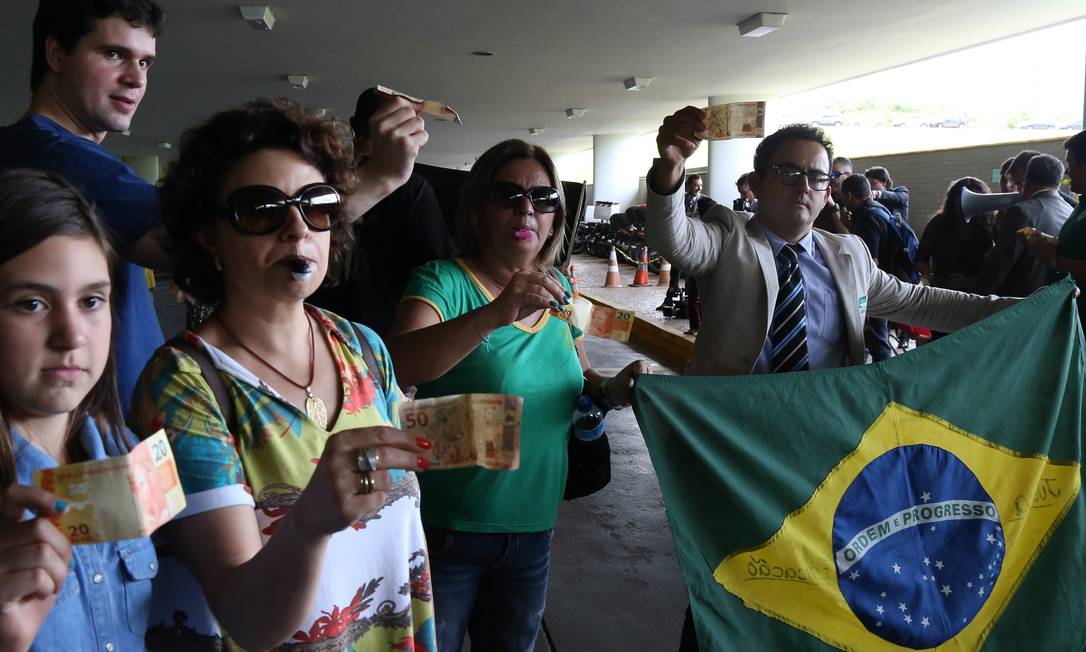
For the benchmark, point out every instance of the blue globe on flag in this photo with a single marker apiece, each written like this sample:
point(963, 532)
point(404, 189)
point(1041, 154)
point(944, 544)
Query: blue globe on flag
point(918, 545)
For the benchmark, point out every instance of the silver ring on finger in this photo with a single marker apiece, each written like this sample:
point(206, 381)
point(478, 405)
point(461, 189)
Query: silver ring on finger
point(368, 459)
point(366, 484)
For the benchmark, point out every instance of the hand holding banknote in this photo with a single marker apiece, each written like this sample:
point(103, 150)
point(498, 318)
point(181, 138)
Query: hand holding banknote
point(468, 429)
point(524, 294)
point(676, 141)
point(34, 558)
point(337, 495)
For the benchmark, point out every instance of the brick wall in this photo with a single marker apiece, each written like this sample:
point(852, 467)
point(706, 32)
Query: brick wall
point(928, 174)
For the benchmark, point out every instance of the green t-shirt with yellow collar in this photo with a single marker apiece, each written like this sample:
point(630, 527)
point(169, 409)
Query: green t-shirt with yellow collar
point(538, 363)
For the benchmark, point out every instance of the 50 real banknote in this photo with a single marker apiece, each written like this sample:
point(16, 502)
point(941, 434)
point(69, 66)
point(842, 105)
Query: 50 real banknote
point(467, 429)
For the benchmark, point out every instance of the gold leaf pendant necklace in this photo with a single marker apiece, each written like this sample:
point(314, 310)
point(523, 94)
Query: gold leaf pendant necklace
point(315, 408)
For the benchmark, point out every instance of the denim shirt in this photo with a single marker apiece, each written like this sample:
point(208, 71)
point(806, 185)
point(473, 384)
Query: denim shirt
point(104, 603)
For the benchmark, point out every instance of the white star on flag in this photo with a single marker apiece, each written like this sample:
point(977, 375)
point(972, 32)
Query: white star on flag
point(981, 591)
point(968, 585)
point(879, 610)
point(883, 594)
point(902, 607)
point(878, 624)
point(924, 577)
point(908, 619)
point(897, 569)
point(946, 590)
point(933, 528)
point(854, 575)
point(927, 562)
point(939, 564)
point(926, 496)
point(924, 621)
point(991, 539)
point(981, 576)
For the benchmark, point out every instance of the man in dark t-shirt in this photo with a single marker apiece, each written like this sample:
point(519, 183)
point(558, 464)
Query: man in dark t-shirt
point(88, 75)
point(403, 231)
point(870, 221)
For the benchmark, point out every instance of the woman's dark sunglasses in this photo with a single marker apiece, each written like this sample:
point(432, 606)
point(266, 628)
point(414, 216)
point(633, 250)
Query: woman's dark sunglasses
point(506, 194)
point(260, 210)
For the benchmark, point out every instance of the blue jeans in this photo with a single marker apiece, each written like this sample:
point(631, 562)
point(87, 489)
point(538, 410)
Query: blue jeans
point(491, 585)
point(877, 340)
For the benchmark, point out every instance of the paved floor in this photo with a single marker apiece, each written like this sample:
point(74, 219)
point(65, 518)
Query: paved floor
point(591, 275)
point(615, 582)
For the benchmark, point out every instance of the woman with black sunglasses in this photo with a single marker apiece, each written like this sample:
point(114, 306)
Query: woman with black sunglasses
point(302, 523)
point(481, 324)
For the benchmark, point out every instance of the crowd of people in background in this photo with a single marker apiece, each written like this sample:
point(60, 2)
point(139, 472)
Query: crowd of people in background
point(307, 245)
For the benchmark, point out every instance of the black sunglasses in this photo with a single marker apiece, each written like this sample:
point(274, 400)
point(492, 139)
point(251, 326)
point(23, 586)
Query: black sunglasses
point(506, 194)
point(260, 210)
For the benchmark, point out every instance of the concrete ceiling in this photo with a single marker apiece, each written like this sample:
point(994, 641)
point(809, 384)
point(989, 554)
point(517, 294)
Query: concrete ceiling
point(549, 55)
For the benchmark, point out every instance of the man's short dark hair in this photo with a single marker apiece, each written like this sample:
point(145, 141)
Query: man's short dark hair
point(857, 185)
point(770, 143)
point(70, 20)
point(1005, 168)
point(1076, 146)
point(1017, 170)
point(1044, 170)
point(879, 173)
point(843, 161)
point(368, 102)
point(742, 180)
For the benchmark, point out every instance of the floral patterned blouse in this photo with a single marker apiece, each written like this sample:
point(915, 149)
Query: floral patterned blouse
point(374, 591)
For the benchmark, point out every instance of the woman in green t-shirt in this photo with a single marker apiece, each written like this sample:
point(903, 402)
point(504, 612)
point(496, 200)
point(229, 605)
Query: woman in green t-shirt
point(1068, 253)
point(480, 324)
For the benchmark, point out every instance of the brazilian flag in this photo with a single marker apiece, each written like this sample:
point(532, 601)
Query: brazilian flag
point(932, 501)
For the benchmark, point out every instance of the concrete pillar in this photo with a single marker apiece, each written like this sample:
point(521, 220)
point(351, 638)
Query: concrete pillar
point(616, 168)
point(146, 167)
point(730, 158)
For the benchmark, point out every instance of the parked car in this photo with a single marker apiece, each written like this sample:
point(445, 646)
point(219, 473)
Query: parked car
point(912, 121)
point(866, 121)
point(827, 120)
point(1072, 126)
point(951, 121)
point(1038, 125)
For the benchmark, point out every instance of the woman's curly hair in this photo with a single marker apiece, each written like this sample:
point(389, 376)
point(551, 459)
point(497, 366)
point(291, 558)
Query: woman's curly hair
point(192, 186)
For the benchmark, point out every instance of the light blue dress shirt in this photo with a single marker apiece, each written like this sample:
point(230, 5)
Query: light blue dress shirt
point(104, 603)
point(827, 342)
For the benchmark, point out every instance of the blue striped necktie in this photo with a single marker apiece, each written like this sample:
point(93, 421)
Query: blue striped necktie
point(788, 333)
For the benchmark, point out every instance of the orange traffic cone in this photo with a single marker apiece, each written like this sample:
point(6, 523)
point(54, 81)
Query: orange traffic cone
point(613, 280)
point(664, 278)
point(641, 278)
point(573, 279)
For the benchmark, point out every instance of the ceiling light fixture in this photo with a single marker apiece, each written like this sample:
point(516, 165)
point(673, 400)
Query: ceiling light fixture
point(298, 82)
point(260, 17)
point(164, 145)
point(535, 131)
point(761, 24)
point(637, 83)
point(483, 53)
point(575, 113)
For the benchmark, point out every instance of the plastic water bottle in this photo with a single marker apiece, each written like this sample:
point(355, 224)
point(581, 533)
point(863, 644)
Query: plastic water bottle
point(587, 419)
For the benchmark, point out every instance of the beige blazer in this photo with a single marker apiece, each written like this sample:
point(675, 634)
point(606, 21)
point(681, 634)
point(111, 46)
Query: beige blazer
point(737, 281)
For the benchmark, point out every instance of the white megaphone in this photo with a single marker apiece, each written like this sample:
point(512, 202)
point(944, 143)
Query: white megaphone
point(975, 203)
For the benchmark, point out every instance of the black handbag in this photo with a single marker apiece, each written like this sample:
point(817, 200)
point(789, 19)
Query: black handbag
point(589, 466)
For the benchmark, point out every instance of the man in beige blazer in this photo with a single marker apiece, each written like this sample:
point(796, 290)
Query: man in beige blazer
point(737, 263)
point(756, 317)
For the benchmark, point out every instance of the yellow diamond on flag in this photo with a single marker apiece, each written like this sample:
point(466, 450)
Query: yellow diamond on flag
point(917, 539)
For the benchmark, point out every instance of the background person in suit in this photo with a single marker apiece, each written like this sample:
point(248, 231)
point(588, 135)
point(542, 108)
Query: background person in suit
point(1009, 268)
point(738, 264)
point(778, 295)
